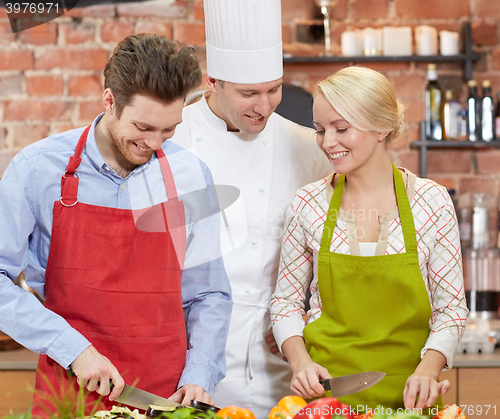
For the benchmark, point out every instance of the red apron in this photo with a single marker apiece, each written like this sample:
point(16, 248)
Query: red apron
point(117, 285)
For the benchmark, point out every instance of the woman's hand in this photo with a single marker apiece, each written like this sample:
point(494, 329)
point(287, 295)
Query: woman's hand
point(305, 380)
point(423, 383)
point(306, 373)
point(426, 388)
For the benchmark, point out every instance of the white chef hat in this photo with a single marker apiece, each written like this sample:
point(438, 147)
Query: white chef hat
point(244, 40)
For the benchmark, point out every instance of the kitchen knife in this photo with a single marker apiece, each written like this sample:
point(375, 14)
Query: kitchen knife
point(349, 384)
point(142, 399)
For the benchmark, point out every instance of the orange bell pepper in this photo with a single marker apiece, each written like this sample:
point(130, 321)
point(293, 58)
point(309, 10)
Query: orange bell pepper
point(235, 412)
point(287, 407)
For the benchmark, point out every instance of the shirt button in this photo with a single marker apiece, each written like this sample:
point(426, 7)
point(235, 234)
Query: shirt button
point(247, 291)
point(100, 171)
point(254, 242)
point(265, 142)
point(385, 218)
point(199, 138)
point(123, 186)
point(262, 189)
point(108, 168)
point(383, 237)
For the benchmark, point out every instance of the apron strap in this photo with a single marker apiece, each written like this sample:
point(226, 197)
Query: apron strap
point(69, 182)
point(168, 178)
point(331, 217)
point(405, 215)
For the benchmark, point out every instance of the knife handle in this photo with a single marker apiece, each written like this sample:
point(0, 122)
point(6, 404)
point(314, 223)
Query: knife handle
point(325, 384)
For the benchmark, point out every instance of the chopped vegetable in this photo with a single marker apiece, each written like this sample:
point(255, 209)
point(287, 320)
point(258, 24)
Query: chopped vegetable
point(155, 411)
point(451, 412)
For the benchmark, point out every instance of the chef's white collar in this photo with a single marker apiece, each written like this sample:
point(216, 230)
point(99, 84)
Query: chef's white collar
point(215, 122)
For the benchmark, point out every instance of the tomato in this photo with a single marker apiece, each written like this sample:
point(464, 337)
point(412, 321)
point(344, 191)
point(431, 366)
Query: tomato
point(451, 412)
point(366, 415)
point(287, 407)
point(324, 408)
point(235, 412)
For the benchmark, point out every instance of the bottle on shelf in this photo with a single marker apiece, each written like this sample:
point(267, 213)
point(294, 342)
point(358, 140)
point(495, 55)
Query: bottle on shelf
point(449, 116)
point(487, 113)
point(464, 216)
point(497, 118)
point(474, 111)
point(433, 105)
point(463, 125)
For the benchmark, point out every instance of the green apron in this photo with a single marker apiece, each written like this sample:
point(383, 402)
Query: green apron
point(376, 311)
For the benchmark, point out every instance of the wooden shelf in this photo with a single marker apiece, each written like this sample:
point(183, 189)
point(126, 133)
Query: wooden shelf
point(379, 58)
point(467, 58)
point(455, 144)
point(425, 144)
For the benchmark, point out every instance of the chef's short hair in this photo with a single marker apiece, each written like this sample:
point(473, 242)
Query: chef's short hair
point(152, 65)
point(365, 99)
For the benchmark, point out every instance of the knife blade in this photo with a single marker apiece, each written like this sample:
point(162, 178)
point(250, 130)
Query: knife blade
point(141, 399)
point(349, 384)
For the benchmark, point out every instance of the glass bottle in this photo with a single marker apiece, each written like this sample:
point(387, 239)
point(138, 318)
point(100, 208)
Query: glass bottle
point(474, 111)
point(463, 125)
point(449, 116)
point(464, 215)
point(487, 113)
point(480, 221)
point(432, 105)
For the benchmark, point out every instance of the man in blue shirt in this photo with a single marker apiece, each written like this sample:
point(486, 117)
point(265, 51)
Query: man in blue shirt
point(96, 219)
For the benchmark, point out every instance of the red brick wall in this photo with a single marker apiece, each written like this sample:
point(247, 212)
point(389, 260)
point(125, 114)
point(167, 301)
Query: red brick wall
point(50, 76)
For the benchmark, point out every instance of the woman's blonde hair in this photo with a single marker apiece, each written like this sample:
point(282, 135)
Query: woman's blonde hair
point(365, 99)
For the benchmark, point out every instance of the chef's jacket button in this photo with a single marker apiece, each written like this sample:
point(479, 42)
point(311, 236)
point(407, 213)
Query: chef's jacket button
point(262, 189)
point(199, 138)
point(265, 142)
point(254, 242)
point(247, 291)
point(123, 186)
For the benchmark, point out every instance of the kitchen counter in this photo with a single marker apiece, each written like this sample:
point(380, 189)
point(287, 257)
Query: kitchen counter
point(18, 359)
point(23, 359)
point(477, 360)
point(474, 380)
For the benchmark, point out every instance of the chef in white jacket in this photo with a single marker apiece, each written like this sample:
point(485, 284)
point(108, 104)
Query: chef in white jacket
point(234, 129)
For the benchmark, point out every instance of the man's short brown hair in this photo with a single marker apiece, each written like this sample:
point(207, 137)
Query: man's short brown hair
point(151, 65)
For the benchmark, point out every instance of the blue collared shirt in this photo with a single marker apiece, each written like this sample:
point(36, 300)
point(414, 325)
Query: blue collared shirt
point(28, 190)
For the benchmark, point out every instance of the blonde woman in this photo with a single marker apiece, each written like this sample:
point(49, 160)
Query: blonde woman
point(387, 289)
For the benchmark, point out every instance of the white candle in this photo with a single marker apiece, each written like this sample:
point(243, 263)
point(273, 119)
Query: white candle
point(448, 44)
point(351, 43)
point(372, 41)
point(397, 41)
point(426, 40)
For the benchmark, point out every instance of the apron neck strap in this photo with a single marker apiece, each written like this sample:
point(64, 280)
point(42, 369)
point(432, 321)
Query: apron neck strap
point(69, 182)
point(332, 215)
point(405, 214)
point(168, 178)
